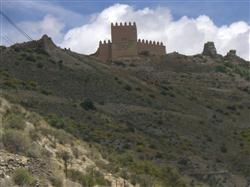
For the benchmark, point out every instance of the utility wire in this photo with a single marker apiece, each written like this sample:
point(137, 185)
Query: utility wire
point(14, 25)
point(8, 39)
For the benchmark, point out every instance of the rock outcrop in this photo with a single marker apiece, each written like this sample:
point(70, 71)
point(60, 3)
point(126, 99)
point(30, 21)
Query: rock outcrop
point(209, 50)
point(231, 53)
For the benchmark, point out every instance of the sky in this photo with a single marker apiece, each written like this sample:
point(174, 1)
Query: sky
point(182, 25)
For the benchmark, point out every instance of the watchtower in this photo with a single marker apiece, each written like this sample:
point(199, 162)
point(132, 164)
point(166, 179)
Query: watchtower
point(124, 40)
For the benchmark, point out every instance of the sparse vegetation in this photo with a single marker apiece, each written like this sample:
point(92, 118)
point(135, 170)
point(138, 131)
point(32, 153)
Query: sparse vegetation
point(66, 157)
point(91, 178)
point(221, 69)
point(16, 141)
point(14, 121)
point(151, 113)
point(23, 177)
point(56, 181)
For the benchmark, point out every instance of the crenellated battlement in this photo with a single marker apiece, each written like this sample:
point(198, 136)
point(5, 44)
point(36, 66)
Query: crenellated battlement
point(125, 24)
point(104, 42)
point(149, 42)
point(125, 43)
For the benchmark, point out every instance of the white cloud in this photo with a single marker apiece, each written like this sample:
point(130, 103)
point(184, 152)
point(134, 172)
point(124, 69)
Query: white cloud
point(35, 29)
point(49, 25)
point(186, 35)
point(39, 8)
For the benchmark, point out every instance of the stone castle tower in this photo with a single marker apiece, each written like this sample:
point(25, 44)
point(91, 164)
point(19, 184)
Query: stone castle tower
point(125, 44)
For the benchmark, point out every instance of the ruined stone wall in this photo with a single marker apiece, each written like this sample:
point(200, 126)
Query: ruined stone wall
point(124, 40)
point(152, 48)
point(104, 51)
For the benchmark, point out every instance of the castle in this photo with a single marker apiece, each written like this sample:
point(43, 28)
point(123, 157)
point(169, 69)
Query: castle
point(125, 44)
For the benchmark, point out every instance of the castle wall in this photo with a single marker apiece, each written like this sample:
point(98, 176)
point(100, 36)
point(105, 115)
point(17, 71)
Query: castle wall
point(125, 44)
point(104, 51)
point(153, 48)
point(124, 40)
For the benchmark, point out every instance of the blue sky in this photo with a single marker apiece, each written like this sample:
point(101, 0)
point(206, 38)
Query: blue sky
point(40, 16)
point(220, 11)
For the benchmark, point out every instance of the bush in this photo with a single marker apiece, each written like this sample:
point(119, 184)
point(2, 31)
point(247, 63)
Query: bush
point(91, 178)
point(39, 65)
point(243, 72)
point(88, 104)
point(223, 148)
point(221, 69)
point(16, 141)
point(41, 50)
point(56, 181)
point(31, 85)
point(13, 83)
point(62, 136)
point(34, 150)
point(30, 58)
point(78, 176)
point(23, 177)
point(128, 87)
point(14, 121)
point(46, 92)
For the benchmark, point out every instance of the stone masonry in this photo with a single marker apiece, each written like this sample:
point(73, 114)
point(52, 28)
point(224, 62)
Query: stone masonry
point(125, 44)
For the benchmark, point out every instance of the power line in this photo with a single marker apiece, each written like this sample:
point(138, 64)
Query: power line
point(8, 39)
point(14, 25)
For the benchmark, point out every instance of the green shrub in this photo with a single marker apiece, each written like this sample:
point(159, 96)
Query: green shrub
point(30, 58)
point(119, 63)
point(56, 181)
point(229, 64)
point(221, 69)
point(88, 104)
point(23, 177)
point(40, 65)
point(128, 87)
point(138, 89)
point(41, 50)
point(163, 92)
point(14, 121)
point(62, 136)
point(243, 72)
point(16, 141)
point(31, 84)
point(99, 178)
point(56, 121)
point(46, 92)
point(91, 178)
point(13, 83)
point(223, 148)
point(78, 176)
point(67, 124)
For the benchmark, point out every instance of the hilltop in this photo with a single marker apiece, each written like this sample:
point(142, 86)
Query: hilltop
point(173, 120)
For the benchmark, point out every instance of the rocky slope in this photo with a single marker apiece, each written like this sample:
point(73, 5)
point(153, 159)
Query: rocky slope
point(174, 120)
point(38, 148)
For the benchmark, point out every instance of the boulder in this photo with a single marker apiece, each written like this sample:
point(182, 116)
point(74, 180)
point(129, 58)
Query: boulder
point(209, 49)
point(231, 53)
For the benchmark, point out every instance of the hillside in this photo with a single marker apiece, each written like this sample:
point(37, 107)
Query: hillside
point(174, 120)
point(35, 154)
